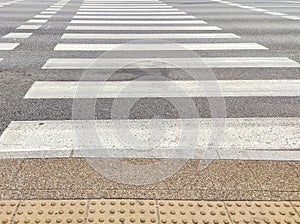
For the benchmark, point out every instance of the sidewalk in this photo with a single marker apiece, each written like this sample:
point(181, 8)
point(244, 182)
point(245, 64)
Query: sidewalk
point(221, 180)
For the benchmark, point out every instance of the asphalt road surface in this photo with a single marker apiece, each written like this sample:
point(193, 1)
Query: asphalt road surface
point(169, 99)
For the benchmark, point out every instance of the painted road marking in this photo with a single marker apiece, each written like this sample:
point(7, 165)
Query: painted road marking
point(133, 17)
point(37, 21)
point(147, 36)
point(138, 22)
point(131, 63)
point(292, 17)
point(125, 6)
point(275, 13)
point(279, 6)
point(143, 28)
point(283, 15)
point(242, 138)
point(48, 12)
point(158, 47)
point(28, 27)
point(43, 16)
point(128, 10)
point(126, 1)
point(17, 35)
point(53, 9)
point(139, 89)
point(8, 46)
point(259, 10)
point(131, 13)
point(116, 2)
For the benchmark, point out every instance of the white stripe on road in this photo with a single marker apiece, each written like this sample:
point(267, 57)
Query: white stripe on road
point(17, 35)
point(47, 12)
point(124, 4)
point(1, 59)
point(158, 47)
point(131, 6)
point(8, 46)
point(258, 10)
point(275, 13)
point(28, 27)
point(43, 16)
point(134, 17)
point(131, 13)
point(143, 28)
point(240, 138)
point(126, 7)
point(245, 7)
point(37, 21)
point(133, 63)
point(150, 89)
point(138, 22)
point(52, 9)
point(128, 10)
point(279, 6)
point(148, 36)
point(123, 1)
point(292, 17)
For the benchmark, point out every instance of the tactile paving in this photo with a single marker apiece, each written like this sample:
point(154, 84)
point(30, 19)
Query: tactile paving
point(7, 210)
point(44, 211)
point(185, 212)
point(129, 211)
point(122, 211)
point(262, 212)
point(296, 205)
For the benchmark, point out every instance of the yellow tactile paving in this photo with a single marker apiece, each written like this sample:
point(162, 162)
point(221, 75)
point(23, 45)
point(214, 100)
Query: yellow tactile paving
point(262, 212)
point(51, 211)
point(7, 210)
point(192, 212)
point(123, 211)
point(296, 205)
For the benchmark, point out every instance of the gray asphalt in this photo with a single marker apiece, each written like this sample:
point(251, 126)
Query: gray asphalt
point(22, 66)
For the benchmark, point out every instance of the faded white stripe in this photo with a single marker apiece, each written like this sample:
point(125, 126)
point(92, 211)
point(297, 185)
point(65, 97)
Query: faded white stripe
point(17, 35)
point(37, 21)
point(28, 27)
point(140, 89)
point(143, 28)
point(134, 17)
point(131, 13)
point(128, 10)
point(158, 47)
point(137, 22)
point(218, 62)
point(242, 138)
point(148, 36)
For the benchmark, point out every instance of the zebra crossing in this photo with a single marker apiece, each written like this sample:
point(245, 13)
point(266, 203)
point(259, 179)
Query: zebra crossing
point(6, 46)
point(255, 138)
point(21, 30)
point(7, 3)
